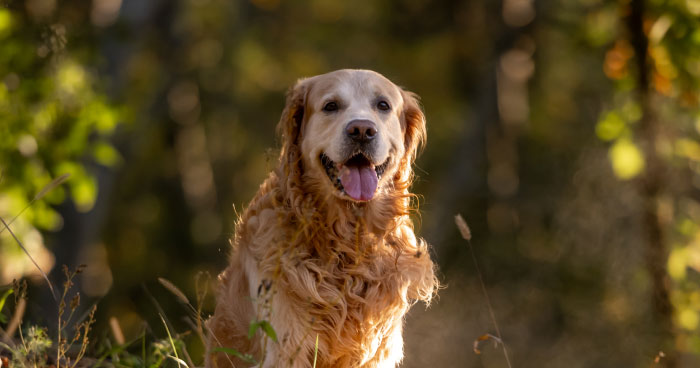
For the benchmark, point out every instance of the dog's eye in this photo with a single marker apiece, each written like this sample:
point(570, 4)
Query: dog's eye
point(383, 105)
point(330, 107)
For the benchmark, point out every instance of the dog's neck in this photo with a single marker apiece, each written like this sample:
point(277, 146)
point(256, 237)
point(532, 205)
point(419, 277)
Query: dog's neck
point(378, 216)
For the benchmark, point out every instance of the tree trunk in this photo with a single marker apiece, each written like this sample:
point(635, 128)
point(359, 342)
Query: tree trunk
point(650, 188)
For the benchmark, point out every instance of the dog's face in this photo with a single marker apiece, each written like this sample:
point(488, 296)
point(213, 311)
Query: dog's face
point(355, 130)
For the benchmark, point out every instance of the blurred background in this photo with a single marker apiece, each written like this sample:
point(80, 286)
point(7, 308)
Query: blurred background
point(566, 133)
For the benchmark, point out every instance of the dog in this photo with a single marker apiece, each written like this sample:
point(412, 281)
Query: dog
point(325, 264)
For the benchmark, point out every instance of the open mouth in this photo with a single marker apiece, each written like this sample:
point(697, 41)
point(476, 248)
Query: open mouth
point(357, 177)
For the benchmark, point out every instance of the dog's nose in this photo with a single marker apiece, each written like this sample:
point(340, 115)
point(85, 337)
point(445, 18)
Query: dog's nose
point(361, 131)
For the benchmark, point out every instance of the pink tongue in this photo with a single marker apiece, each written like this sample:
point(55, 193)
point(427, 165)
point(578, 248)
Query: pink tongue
point(360, 183)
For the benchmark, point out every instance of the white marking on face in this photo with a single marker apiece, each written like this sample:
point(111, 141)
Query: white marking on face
point(357, 94)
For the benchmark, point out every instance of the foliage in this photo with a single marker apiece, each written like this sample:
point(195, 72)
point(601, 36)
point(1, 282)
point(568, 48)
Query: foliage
point(34, 348)
point(54, 121)
point(673, 33)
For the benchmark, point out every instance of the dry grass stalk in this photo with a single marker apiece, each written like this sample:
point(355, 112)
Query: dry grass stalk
point(485, 337)
point(657, 359)
point(173, 289)
point(116, 330)
point(16, 319)
point(463, 227)
point(467, 235)
point(43, 274)
point(81, 329)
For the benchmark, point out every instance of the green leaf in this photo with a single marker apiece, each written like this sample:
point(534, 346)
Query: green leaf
point(269, 331)
point(244, 357)
point(5, 22)
point(105, 117)
point(688, 148)
point(254, 325)
point(610, 127)
point(688, 319)
point(105, 154)
point(626, 158)
point(677, 263)
point(265, 326)
point(84, 192)
point(3, 318)
point(696, 37)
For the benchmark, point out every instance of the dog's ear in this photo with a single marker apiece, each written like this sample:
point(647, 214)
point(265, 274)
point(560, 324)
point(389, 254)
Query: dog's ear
point(289, 127)
point(413, 121)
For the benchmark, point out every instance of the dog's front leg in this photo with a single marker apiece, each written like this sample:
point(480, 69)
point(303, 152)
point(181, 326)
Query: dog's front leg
point(295, 338)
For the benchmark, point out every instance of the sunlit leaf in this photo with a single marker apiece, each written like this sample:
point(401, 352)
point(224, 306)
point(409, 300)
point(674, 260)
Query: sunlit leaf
point(610, 127)
point(660, 27)
point(677, 263)
point(5, 22)
point(83, 187)
point(47, 218)
point(46, 116)
point(688, 148)
point(105, 154)
point(663, 62)
point(106, 120)
point(601, 25)
point(696, 37)
point(71, 78)
point(687, 227)
point(626, 158)
point(631, 112)
point(84, 193)
point(688, 319)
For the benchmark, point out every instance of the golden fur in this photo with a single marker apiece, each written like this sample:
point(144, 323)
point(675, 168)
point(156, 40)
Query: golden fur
point(316, 264)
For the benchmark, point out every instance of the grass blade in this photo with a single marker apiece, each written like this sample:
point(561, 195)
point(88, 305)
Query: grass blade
point(116, 350)
point(53, 184)
point(172, 343)
point(43, 274)
point(3, 319)
point(244, 357)
point(316, 351)
point(178, 360)
point(49, 187)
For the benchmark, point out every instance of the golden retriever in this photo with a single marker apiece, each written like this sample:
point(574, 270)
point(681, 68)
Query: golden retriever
point(325, 254)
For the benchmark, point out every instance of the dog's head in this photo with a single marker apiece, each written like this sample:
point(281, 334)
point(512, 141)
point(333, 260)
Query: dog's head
point(354, 133)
